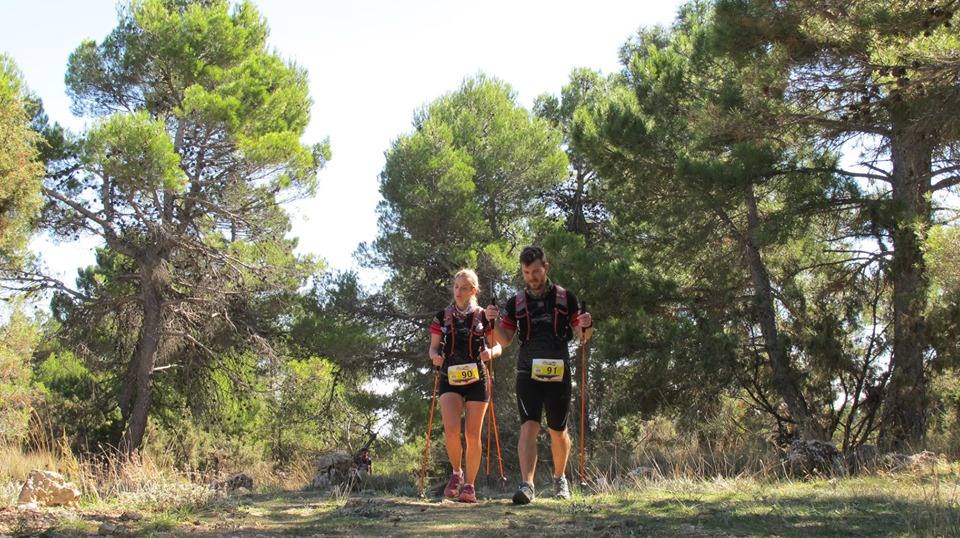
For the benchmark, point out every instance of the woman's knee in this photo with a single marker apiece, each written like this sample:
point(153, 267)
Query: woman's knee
point(473, 429)
point(451, 407)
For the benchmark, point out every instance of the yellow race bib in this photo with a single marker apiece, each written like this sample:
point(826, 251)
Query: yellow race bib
point(550, 370)
point(463, 374)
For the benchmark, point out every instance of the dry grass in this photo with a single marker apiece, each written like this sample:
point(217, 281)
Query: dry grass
point(736, 487)
point(104, 479)
point(149, 480)
point(675, 500)
point(15, 464)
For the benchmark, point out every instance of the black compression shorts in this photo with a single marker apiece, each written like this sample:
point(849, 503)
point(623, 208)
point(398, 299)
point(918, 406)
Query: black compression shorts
point(474, 392)
point(535, 397)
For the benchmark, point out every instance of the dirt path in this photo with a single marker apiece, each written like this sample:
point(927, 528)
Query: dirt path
point(392, 516)
point(880, 506)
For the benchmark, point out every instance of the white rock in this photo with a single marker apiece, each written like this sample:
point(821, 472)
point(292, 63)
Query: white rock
point(48, 488)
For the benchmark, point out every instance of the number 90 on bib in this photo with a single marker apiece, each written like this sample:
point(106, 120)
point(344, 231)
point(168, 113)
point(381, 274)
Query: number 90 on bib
point(550, 370)
point(463, 374)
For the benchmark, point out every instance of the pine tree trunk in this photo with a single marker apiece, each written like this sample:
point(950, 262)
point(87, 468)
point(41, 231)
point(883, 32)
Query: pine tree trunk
point(906, 402)
point(129, 387)
point(145, 356)
point(785, 379)
point(576, 219)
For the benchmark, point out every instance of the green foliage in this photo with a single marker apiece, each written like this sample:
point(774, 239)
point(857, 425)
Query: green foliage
point(460, 191)
point(136, 152)
point(18, 337)
point(334, 323)
point(305, 398)
point(941, 250)
point(695, 200)
point(944, 429)
point(943, 258)
point(20, 169)
point(75, 402)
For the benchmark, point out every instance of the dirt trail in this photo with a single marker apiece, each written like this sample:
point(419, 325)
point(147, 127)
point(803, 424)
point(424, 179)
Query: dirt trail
point(876, 506)
point(393, 516)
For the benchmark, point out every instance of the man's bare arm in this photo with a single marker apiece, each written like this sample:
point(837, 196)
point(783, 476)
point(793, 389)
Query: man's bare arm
point(504, 336)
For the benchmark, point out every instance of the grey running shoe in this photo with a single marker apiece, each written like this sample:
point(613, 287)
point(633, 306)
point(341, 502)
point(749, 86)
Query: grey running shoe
point(561, 488)
point(524, 493)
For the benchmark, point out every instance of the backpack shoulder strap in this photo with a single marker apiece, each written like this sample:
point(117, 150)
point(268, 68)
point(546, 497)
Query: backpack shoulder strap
point(521, 311)
point(560, 308)
point(451, 335)
point(448, 317)
point(561, 297)
point(521, 304)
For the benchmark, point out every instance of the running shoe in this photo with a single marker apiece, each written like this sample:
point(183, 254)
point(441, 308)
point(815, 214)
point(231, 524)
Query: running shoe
point(468, 494)
point(453, 486)
point(524, 493)
point(561, 488)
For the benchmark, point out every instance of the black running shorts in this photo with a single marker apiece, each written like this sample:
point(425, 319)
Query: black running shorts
point(474, 392)
point(535, 397)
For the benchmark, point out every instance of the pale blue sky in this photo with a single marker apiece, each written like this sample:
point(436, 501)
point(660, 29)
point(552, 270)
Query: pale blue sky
point(371, 65)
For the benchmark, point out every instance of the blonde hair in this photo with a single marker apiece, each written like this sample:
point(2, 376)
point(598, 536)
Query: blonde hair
point(470, 276)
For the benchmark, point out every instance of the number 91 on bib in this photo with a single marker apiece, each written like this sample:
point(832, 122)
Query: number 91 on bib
point(550, 370)
point(463, 374)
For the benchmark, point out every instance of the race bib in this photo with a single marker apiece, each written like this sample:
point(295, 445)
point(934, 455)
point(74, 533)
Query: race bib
point(463, 374)
point(547, 370)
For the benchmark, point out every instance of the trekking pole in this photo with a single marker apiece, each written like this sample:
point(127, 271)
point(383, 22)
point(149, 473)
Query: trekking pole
point(492, 423)
point(583, 404)
point(496, 433)
point(489, 430)
point(493, 301)
point(426, 449)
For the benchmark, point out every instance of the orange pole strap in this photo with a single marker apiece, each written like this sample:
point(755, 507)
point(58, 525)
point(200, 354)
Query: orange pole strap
point(426, 449)
point(583, 406)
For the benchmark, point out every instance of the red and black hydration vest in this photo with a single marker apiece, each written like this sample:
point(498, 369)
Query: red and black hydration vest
point(561, 315)
point(456, 349)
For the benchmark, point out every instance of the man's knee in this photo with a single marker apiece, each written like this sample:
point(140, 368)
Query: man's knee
point(529, 428)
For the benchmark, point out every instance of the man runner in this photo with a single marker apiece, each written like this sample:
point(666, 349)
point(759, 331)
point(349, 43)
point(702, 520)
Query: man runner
point(546, 316)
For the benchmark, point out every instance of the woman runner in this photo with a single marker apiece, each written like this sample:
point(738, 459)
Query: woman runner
point(461, 343)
